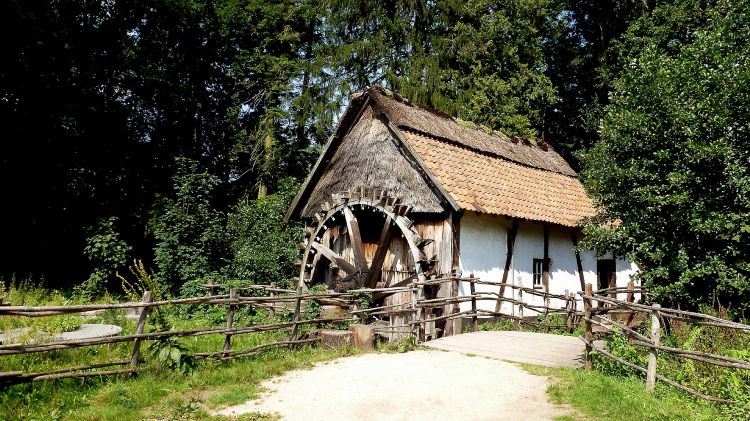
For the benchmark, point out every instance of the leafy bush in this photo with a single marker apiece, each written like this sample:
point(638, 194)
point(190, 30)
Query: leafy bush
point(191, 241)
point(671, 164)
point(618, 345)
point(107, 253)
point(264, 247)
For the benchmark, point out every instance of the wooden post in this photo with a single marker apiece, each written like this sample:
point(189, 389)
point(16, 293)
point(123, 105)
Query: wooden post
point(568, 318)
point(508, 259)
point(230, 321)
point(139, 330)
point(295, 318)
point(272, 310)
point(589, 335)
point(520, 304)
point(455, 324)
point(631, 294)
point(651, 372)
point(474, 323)
point(415, 314)
point(579, 265)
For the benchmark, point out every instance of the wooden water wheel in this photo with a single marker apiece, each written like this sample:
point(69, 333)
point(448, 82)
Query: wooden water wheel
point(363, 239)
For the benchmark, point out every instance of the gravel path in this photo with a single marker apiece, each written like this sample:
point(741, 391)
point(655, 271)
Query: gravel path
point(418, 385)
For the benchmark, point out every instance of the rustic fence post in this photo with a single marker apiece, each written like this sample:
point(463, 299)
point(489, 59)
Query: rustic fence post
point(139, 330)
point(568, 321)
point(456, 322)
point(230, 321)
point(520, 305)
point(589, 335)
point(418, 328)
point(271, 309)
point(651, 372)
point(295, 318)
point(472, 288)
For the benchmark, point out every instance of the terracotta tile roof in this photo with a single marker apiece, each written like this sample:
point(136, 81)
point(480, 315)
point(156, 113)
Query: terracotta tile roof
point(487, 183)
point(416, 118)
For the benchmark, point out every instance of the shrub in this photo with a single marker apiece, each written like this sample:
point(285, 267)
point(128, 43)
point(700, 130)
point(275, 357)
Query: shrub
point(107, 253)
point(263, 246)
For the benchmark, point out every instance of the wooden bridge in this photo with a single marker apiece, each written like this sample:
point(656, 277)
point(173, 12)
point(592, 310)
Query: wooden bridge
point(525, 347)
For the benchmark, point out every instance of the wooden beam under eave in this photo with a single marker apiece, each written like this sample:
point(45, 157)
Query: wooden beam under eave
point(508, 259)
point(546, 264)
point(574, 237)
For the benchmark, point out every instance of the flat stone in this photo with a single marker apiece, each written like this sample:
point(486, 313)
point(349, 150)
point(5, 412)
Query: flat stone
point(85, 331)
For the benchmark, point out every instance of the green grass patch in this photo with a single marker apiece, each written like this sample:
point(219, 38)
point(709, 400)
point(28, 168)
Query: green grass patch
point(158, 394)
point(603, 397)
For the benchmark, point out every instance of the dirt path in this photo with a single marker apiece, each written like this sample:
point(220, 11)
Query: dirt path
point(432, 385)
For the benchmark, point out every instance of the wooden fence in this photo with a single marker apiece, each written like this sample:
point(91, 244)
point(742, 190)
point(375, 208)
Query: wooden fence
point(602, 317)
point(232, 301)
point(421, 323)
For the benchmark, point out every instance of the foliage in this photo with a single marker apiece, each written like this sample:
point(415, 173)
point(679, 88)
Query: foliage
point(599, 396)
point(502, 324)
point(263, 246)
point(671, 167)
point(479, 60)
point(312, 308)
point(189, 230)
point(107, 253)
point(618, 346)
point(169, 353)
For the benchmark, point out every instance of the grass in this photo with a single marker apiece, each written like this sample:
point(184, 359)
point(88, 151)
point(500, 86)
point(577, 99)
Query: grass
point(603, 397)
point(156, 393)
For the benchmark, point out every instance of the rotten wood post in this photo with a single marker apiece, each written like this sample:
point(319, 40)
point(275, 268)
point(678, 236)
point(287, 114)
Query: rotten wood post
point(295, 318)
point(589, 335)
point(474, 323)
point(271, 309)
point(139, 330)
point(230, 321)
point(652, 352)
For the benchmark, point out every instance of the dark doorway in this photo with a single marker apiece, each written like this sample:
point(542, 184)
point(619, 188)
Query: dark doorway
point(606, 273)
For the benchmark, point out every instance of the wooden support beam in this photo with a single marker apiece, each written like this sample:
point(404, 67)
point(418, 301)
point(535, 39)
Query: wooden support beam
point(546, 264)
point(334, 257)
point(508, 259)
point(574, 237)
point(355, 238)
point(380, 254)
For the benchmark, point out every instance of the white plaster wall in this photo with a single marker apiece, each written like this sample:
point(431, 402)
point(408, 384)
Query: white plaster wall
point(483, 245)
point(483, 241)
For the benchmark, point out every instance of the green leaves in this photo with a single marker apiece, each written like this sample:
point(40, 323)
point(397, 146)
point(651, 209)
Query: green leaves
point(671, 163)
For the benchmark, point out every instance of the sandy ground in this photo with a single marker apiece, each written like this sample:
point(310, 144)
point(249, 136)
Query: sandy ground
point(418, 385)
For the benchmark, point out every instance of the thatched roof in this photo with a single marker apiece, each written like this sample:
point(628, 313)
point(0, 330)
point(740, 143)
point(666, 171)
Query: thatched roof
point(412, 117)
point(453, 166)
point(368, 157)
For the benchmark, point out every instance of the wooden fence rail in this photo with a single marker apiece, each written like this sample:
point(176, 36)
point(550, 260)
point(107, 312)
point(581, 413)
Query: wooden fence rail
point(271, 298)
point(598, 316)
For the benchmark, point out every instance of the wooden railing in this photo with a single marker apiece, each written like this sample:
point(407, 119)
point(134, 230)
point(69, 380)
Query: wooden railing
point(232, 301)
point(601, 317)
point(418, 309)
